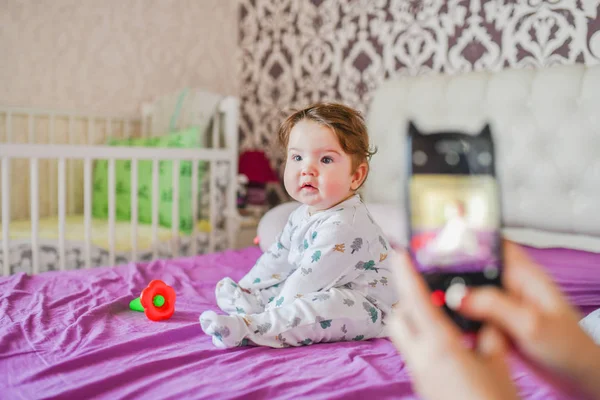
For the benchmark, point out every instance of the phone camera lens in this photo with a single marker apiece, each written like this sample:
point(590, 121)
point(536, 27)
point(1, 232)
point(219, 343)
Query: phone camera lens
point(490, 271)
point(484, 158)
point(419, 158)
point(452, 158)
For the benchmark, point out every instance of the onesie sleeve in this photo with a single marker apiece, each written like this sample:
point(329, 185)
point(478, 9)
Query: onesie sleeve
point(334, 254)
point(273, 266)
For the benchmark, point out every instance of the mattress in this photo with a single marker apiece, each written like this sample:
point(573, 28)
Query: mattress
point(20, 243)
point(71, 335)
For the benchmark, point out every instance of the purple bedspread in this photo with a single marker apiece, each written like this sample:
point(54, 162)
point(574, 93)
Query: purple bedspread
point(71, 335)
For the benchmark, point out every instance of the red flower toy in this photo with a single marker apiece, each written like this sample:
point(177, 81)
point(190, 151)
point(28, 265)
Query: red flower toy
point(157, 301)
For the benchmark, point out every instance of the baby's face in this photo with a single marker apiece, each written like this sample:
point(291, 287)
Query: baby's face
point(450, 211)
point(317, 171)
point(453, 211)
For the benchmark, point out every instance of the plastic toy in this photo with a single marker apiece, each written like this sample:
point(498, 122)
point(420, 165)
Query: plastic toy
point(157, 301)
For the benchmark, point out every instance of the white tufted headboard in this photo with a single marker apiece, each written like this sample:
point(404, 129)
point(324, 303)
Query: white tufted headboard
point(546, 127)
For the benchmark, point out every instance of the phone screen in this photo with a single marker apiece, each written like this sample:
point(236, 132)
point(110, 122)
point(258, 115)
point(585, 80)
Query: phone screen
point(455, 223)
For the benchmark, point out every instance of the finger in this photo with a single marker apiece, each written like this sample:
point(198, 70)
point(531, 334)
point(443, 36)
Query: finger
point(405, 284)
point(491, 343)
point(415, 301)
point(491, 305)
point(401, 336)
point(492, 347)
point(525, 278)
point(408, 281)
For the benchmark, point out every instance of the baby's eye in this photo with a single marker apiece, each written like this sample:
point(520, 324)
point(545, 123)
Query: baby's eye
point(327, 160)
point(296, 157)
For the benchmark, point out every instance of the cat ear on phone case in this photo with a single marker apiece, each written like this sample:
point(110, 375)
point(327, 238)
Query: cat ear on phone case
point(412, 129)
point(485, 132)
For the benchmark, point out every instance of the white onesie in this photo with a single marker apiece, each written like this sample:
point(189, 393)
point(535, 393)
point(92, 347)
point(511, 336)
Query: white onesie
point(326, 278)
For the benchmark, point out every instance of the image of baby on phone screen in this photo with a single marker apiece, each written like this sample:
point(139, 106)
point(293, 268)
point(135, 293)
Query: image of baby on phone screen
point(456, 240)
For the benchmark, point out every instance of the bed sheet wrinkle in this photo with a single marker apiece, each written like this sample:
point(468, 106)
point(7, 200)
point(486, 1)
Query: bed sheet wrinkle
point(48, 317)
point(7, 303)
point(14, 346)
point(139, 388)
point(17, 282)
point(69, 299)
point(35, 320)
point(163, 366)
point(9, 337)
point(83, 330)
point(117, 375)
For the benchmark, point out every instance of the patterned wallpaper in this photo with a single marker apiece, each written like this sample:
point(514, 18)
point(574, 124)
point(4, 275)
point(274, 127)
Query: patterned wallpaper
point(109, 56)
point(297, 52)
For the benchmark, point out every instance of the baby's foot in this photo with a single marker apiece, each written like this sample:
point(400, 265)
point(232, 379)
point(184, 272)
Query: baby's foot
point(226, 330)
point(232, 299)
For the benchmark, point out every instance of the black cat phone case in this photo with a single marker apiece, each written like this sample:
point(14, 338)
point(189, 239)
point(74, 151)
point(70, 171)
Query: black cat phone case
point(454, 213)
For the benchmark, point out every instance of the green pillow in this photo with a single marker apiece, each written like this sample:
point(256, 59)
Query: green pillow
point(100, 190)
point(189, 138)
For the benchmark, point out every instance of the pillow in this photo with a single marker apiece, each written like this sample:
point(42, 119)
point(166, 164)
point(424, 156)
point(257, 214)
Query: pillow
point(189, 138)
point(391, 220)
point(272, 223)
point(123, 184)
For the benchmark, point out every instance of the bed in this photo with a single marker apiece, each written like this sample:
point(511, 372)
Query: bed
point(70, 334)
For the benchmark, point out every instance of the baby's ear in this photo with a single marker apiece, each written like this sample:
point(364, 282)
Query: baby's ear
point(359, 176)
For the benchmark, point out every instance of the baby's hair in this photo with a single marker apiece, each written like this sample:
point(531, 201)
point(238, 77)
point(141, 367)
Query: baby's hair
point(347, 123)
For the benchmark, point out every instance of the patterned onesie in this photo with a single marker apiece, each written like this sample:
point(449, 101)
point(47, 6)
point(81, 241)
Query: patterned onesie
point(326, 278)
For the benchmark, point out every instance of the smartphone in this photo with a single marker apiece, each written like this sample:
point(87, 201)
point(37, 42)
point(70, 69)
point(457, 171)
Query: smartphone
point(454, 213)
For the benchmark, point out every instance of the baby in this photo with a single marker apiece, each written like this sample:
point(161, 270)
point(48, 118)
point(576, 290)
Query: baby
point(326, 277)
point(456, 239)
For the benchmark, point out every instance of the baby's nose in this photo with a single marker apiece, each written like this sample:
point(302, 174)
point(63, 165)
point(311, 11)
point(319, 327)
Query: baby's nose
point(309, 170)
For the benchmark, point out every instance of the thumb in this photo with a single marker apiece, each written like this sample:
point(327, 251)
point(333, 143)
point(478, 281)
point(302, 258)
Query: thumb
point(493, 347)
point(493, 350)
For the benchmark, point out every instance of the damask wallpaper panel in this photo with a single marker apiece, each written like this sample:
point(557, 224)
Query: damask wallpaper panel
point(294, 52)
point(109, 56)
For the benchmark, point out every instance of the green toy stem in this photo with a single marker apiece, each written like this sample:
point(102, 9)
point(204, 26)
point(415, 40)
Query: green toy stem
point(136, 305)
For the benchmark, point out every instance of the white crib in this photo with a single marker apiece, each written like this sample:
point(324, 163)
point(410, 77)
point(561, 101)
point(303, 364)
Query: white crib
point(60, 151)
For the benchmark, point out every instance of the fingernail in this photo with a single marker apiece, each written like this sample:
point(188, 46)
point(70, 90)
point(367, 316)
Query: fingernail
point(463, 301)
point(488, 342)
point(455, 295)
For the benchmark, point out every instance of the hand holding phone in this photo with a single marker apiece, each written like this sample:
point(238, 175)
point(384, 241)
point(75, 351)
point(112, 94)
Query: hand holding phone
point(434, 348)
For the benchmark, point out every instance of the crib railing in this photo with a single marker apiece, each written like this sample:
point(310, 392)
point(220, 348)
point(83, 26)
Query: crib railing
point(41, 126)
point(88, 154)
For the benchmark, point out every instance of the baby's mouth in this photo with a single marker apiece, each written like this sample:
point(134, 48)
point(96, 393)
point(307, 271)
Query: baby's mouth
point(308, 186)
